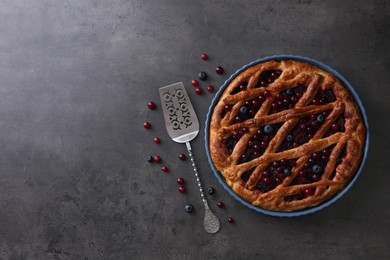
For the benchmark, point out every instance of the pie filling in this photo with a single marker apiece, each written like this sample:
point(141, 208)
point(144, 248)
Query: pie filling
point(274, 174)
point(303, 131)
point(259, 142)
point(287, 98)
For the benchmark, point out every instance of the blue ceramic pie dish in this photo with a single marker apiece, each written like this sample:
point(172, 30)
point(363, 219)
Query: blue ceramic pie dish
point(325, 203)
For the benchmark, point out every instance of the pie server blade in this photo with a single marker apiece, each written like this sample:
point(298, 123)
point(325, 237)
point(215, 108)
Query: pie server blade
point(180, 119)
point(182, 126)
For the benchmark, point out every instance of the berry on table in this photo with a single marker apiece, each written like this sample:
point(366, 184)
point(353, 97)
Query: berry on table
point(202, 75)
point(211, 190)
point(219, 70)
point(189, 208)
point(157, 158)
point(210, 88)
point(204, 56)
point(157, 140)
point(230, 220)
point(164, 169)
point(199, 91)
point(182, 156)
point(151, 105)
point(182, 189)
point(180, 181)
point(194, 82)
point(147, 125)
point(220, 204)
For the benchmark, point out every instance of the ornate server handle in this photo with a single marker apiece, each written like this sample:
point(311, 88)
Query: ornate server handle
point(211, 222)
point(197, 175)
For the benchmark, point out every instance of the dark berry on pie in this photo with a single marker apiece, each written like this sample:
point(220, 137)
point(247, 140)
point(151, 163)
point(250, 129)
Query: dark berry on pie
point(268, 129)
point(317, 168)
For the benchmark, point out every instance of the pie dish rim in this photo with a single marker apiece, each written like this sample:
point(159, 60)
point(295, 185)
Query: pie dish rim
point(322, 66)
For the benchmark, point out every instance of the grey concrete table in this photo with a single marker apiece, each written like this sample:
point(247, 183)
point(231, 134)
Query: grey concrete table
point(75, 78)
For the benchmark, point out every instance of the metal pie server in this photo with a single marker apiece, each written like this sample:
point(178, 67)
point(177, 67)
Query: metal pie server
point(183, 126)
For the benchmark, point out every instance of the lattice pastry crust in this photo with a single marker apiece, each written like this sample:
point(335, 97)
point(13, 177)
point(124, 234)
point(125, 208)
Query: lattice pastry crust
point(286, 135)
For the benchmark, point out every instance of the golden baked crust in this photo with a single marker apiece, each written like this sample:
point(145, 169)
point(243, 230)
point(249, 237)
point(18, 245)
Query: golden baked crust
point(292, 168)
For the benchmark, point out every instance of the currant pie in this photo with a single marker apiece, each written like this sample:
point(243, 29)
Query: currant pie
point(286, 135)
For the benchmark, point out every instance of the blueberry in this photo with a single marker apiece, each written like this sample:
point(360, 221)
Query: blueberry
point(268, 129)
point(320, 118)
point(287, 172)
point(329, 94)
point(202, 75)
point(211, 190)
point(317, 168)
point(149, 158)
point(289, 92)
point(189, 208)
point(289, 138)
point(243, 110)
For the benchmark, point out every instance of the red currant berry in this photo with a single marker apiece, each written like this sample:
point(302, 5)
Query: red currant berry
point(335, 127)
point(147, 125)
point(309, 192)
point(182, 189)
point(210, 88)
point(164, 169)
point(182, 156)
point(151, 105)
point(230, 220)
point(219, 69)
point(157, 140)
point(157, 159)
point(180, 181)
point(199, 91)
point(220, 204)
point(204, 56)
point(266, 180)
point(194, 82)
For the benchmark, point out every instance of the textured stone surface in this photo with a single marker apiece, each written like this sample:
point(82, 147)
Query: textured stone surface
point(75, 78)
